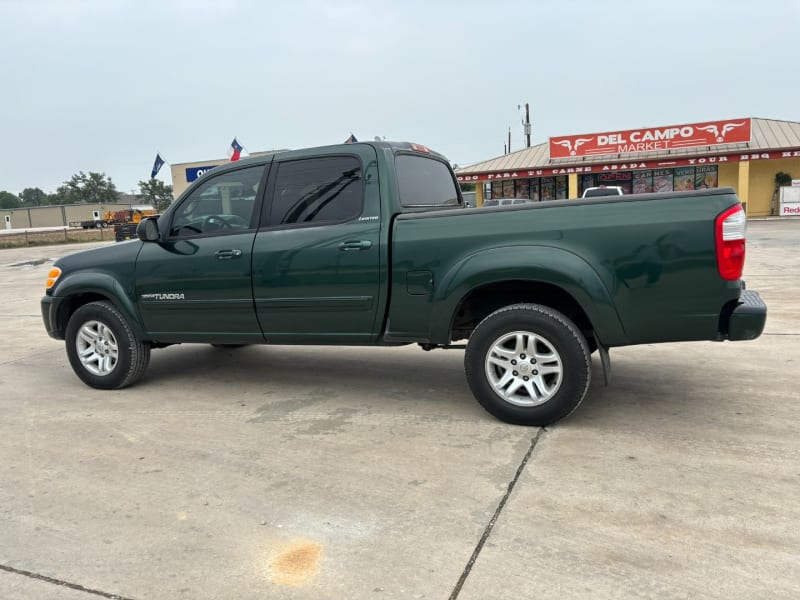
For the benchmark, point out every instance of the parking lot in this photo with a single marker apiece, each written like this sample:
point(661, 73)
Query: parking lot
point(313, 472)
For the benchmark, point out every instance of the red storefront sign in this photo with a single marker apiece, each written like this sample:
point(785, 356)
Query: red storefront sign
point(654, 139)
point(663, 163)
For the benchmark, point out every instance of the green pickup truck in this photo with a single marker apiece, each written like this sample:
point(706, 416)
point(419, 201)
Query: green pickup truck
point(371, 244)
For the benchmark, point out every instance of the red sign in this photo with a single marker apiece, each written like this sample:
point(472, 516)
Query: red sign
point(711, 133)
point(629, 166)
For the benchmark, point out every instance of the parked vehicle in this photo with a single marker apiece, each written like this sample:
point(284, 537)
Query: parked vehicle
point(507, 201)
point(602, 190)
point(118, 217)
point(469, 199)
point(125, 229)
point(369, 244)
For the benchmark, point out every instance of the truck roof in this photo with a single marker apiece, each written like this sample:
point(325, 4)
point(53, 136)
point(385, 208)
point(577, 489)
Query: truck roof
point(403, 146)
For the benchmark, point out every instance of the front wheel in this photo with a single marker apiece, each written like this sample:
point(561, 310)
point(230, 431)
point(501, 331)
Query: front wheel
point(528, 364)
point(103, 349)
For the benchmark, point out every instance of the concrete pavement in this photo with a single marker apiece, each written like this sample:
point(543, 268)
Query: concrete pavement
point(289, 472)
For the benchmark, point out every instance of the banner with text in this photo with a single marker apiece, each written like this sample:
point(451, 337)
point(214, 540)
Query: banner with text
point(654, 139)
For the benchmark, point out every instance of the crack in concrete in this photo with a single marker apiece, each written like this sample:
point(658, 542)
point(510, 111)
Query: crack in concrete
point(21, 358)
point(488, 530)
point(72, 586)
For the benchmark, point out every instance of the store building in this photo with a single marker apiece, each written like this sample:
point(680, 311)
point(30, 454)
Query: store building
point(745, 154)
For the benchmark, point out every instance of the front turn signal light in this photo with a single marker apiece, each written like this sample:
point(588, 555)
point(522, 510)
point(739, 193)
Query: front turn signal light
point(52, 277)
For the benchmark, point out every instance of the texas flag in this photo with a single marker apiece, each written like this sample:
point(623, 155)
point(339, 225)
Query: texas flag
point(235, 151)
point(351, 140)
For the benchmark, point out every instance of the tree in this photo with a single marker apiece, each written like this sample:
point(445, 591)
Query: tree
point(8, 200)
point(54, 199)
point(33, 197)
point(92, 188)
point(157, 193)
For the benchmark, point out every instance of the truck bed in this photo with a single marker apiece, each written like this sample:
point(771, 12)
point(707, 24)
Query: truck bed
point(645, 261)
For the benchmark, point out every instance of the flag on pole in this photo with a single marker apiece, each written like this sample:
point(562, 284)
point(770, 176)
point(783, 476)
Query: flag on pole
point(351, 140)
point(235, 151)
point(159, 162)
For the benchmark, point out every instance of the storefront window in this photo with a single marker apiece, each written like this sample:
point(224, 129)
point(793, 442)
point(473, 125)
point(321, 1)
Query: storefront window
point(548, 188)
point(535, 190)
point(631, 182)
point(642, 182)
point(622, 179)
point(705, 178)
point(662, 180)
point(586, 181)
point(561, 187)
point(683, 179)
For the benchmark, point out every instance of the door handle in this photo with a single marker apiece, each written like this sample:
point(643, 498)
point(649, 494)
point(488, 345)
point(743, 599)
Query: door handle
point(355, 245)
point(227, 254)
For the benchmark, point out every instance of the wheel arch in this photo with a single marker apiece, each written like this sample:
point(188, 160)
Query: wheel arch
point(81, 289)
point(486, 281)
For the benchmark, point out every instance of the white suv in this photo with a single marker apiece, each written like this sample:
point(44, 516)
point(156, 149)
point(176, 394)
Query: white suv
point(603, 190)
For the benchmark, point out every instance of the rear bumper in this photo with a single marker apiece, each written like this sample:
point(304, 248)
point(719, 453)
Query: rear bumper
point(747, 319)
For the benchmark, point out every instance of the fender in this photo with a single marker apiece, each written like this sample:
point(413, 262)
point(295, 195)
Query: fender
point(533, 263)
point(78, 283)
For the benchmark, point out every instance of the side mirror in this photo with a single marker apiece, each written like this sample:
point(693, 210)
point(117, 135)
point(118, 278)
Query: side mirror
point(147, 230)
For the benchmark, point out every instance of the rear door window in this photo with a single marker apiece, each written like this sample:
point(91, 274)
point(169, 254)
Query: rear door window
point(425, 182)
point(317, 190)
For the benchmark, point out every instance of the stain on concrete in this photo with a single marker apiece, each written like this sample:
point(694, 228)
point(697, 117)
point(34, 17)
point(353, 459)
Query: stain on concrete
point(335, 422)
point(296, 564)
point(273, 411)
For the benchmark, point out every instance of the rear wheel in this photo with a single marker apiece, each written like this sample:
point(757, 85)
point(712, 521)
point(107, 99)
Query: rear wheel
point(103, 349)
point(528, 364)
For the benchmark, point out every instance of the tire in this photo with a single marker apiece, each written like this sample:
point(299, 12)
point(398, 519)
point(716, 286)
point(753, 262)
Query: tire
point(103, 349)
point(103, 225)
point(521, 392)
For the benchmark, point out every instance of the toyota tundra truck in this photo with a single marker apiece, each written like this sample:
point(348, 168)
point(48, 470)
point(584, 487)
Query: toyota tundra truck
point(371, 244)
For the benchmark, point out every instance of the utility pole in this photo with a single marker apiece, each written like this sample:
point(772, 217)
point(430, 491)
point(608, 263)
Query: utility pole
point(527, 125)
point(509, 139)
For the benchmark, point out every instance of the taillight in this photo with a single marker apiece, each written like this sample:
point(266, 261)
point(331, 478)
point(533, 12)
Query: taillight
point(730, 238)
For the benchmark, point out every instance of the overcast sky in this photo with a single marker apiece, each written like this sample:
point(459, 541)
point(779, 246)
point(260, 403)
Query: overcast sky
point(102, 85)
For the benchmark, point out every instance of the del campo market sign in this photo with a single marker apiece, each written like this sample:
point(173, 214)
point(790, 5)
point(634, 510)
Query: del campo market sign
point(711, 133)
